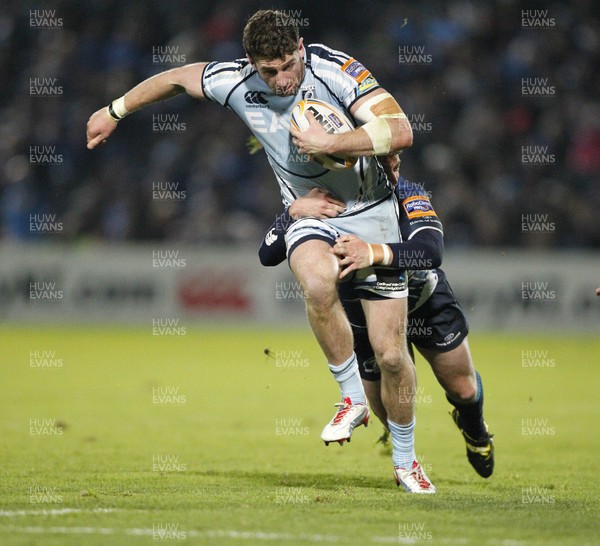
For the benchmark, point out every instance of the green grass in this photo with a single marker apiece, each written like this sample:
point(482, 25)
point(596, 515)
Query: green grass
point(234, 480)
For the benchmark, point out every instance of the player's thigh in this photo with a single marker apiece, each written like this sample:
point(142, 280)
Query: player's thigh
point(315, 267)
point(386, 323)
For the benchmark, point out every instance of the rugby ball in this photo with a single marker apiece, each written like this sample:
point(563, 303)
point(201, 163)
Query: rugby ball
point(333, 120)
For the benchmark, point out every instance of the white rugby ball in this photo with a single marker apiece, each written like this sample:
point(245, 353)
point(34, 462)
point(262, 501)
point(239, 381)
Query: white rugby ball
point(333, 120)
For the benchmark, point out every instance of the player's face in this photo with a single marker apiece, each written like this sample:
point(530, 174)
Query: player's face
point(283, 76)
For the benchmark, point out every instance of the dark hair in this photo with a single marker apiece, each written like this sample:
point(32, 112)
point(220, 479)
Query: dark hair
point(270, 34)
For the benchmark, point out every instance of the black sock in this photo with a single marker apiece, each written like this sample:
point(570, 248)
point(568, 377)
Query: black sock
point(471, 413)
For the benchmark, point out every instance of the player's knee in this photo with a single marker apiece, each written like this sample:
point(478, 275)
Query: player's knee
point(320, 291)
point(463, 390)
point(392, 361)
point(320, 302)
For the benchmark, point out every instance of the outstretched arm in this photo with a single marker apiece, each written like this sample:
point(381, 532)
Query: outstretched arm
point(184, 79)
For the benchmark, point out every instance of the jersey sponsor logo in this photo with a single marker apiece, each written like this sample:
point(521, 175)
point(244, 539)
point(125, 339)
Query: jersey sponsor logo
point(367, 84)
point(416, 206)
point(267, 122)
point(256, 98)
point(355, 70)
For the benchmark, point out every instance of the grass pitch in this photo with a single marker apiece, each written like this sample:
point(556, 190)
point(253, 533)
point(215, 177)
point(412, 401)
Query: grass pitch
point(212, 437)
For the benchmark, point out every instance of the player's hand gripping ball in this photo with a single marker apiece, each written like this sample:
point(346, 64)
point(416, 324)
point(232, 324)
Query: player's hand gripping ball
point(332, 120)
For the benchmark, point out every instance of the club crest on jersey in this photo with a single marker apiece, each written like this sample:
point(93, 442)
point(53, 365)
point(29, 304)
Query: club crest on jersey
point(308, 91)
point(418, 205)
point(355, 70)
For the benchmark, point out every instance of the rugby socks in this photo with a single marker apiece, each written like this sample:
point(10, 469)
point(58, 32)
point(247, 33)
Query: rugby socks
point(403, 443)
point(471, 413)
point(348, 378)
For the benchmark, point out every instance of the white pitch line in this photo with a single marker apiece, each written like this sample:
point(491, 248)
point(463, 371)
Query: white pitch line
point(509, 542)
point(241, 535)
point(399, 540)
point(52, 512)
point(59, 530)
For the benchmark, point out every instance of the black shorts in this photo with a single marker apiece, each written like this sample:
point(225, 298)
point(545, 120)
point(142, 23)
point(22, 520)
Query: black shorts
point(438, 325)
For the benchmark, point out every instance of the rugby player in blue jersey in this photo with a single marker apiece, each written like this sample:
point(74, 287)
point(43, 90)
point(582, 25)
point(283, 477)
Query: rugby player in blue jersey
point(263, 88)
point(436, 324)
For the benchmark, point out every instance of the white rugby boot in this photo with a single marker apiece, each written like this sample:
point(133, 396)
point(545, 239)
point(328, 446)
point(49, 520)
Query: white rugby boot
point(414, 480)
point(348, 417)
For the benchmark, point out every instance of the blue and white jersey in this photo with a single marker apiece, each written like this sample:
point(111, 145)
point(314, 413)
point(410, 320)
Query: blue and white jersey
point(331, 76)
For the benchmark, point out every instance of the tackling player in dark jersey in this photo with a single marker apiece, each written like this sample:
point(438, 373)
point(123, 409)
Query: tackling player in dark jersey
point(436, 325)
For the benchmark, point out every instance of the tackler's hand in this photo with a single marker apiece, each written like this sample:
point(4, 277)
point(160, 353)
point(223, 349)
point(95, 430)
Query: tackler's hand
point(317, 203)
point(353, 254)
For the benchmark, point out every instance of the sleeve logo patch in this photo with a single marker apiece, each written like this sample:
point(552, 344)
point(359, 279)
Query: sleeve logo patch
point(418, 205)
point(367, 84)
point(355, 70)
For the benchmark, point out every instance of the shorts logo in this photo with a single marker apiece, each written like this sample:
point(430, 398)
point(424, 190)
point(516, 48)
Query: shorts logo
point(271, 237)
point(371, 366)
point(450, 338)
point(416, 206)
point(255, 97)
point(356, 70)
point(368, 83)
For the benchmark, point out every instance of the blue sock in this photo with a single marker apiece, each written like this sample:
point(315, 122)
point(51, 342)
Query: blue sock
point(403, 442)
point(347, 376)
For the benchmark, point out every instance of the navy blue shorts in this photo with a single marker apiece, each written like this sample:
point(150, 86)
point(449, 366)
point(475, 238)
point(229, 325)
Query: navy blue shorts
point(438, 325)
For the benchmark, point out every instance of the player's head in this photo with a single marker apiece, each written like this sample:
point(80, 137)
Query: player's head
point(274, 47)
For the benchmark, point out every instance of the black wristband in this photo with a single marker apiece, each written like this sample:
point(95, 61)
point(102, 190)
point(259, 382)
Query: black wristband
point(112, 113)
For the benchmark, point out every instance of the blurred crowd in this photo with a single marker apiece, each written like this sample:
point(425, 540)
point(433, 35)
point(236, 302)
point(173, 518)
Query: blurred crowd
point(502, 95)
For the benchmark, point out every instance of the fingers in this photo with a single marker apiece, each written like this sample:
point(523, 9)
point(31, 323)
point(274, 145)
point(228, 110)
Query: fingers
point(99, 127)
point(318, 203)
point(296, 139)
point(347, 259)
point(346, 238)
point(337, 205)
point(331, 210)
point(333, 201)
point(311, 118)
point(339, 249)
point(345, 271)
point(301, 147)
point(99, 139)
point(335, 249)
